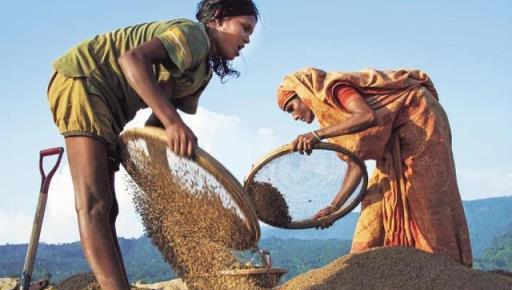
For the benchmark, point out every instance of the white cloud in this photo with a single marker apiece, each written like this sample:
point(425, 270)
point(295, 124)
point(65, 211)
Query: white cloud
point(20, 225)
point(267, 132)
point(60, 222)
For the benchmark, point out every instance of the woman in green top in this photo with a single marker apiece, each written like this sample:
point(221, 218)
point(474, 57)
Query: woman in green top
point(99, 85)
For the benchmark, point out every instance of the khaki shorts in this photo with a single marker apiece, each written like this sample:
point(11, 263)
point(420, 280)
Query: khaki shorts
point(76, 112)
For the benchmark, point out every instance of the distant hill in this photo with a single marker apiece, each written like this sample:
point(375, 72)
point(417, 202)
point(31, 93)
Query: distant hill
point(499, 254)
point(342, 229)
point(487, 218)
point(59, 260)
point(64, 260)
point(144, 262)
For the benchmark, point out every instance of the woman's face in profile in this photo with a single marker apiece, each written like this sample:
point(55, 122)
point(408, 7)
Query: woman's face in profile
point(299, 110)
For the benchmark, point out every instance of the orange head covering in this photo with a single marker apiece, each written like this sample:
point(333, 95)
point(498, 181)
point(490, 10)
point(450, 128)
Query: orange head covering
point(378, 86)
point(283, 96)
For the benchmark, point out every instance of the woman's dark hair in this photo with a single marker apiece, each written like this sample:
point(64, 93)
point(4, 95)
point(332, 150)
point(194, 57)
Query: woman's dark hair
point(209, 10)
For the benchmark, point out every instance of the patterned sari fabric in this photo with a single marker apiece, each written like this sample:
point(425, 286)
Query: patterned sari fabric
point(412, 199)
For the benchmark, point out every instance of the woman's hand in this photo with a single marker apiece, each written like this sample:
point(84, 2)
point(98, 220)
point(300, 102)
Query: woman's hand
point(305, 142)
point(181, 139)
point(323, 213)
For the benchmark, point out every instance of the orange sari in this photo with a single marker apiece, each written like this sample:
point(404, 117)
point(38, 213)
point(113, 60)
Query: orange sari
point(413, 198)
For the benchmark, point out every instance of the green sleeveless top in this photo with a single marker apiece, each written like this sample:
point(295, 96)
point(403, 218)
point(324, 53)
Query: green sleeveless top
point(95, 59)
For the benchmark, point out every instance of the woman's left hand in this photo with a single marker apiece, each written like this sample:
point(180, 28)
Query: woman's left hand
point(304, 143)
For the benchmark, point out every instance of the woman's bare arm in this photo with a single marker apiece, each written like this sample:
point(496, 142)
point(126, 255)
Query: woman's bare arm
point(362, 117)
point(350, 182)
point(137, 67)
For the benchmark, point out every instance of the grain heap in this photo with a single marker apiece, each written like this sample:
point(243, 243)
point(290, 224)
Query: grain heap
point(176, 284)
point(396, 269)
point(271, 206)
point(80, 281)
point(188, 218)
point(8, 283)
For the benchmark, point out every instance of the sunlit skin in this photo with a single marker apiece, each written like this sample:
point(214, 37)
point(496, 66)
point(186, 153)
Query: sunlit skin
point(362, 117)
point(227, 36)
point(299, 110)
point(230, 35)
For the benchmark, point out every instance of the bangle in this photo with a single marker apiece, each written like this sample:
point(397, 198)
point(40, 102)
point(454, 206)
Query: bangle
point(316, 135)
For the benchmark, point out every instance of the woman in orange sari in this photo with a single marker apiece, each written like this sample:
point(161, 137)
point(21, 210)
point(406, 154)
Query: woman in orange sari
point(393, 117)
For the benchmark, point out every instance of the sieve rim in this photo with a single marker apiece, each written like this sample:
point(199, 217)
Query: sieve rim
point(309, 223)
point(212, 166)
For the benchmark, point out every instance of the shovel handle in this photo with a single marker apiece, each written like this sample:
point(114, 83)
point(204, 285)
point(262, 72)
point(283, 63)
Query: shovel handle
point(45, 181)
point(28, 266)
point(51, 151)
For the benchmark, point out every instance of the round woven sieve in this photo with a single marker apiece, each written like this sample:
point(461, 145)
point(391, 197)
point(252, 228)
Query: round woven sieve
point(288, 188)
point(143, 147)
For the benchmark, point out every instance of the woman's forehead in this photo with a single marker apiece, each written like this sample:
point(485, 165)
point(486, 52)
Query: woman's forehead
point(245, 19)
point(289, 106)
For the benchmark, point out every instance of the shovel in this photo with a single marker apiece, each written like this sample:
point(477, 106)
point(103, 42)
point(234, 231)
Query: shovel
point(38, 218)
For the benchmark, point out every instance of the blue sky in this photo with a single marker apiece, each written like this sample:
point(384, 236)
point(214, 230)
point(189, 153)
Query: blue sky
point(463, 45)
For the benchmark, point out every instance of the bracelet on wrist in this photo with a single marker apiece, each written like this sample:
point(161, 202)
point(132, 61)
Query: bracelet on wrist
point(316, 135)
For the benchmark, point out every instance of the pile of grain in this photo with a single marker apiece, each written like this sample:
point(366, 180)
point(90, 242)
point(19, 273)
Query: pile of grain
point(80, 281)
point(501, 272)
point(8, 283)
point(194, 227)
point(271, 206)
point(396, 269)
point(175, 284)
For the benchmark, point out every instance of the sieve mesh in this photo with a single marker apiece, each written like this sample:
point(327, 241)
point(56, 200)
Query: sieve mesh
point(288, 188)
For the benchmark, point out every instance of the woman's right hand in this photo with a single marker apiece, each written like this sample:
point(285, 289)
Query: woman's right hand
point(325, 212)
point(182, 141)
